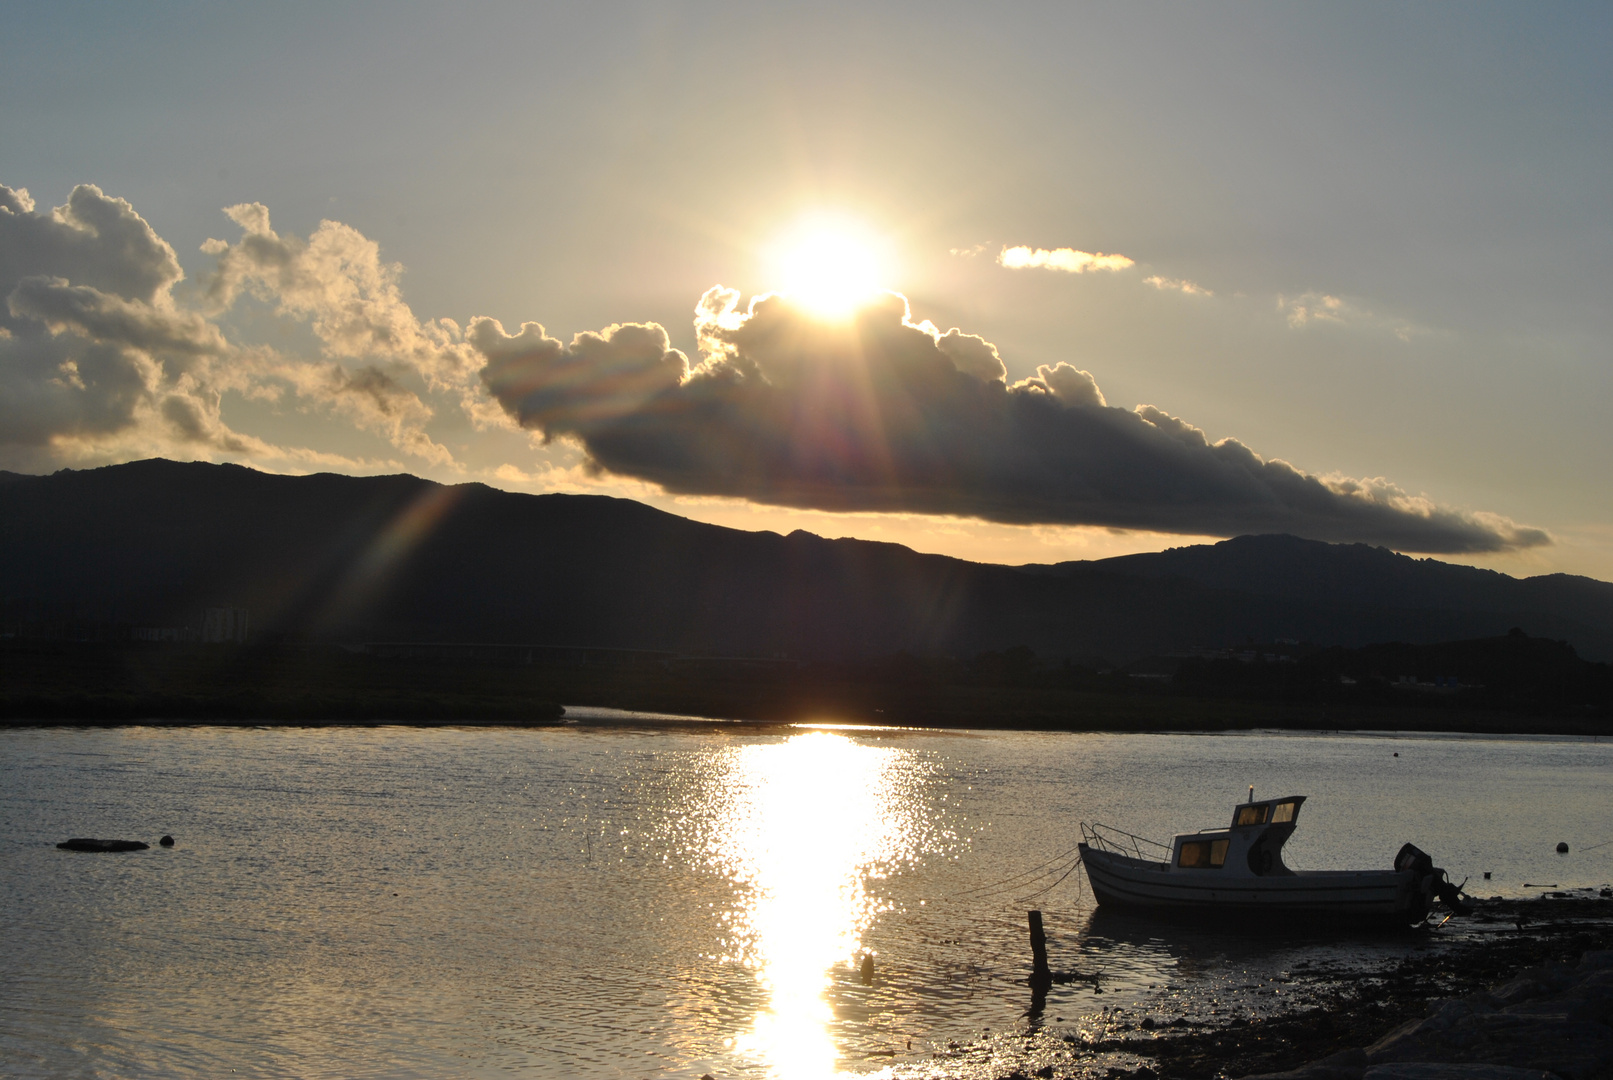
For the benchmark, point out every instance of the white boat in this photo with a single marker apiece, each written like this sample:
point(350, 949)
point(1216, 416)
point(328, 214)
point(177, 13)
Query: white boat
point(1240, 870)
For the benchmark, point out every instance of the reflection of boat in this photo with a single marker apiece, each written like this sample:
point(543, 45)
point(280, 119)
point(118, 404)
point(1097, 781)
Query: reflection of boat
point(1240, 869)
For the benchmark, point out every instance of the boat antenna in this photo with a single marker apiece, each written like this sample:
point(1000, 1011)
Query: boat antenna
point(1251, 793)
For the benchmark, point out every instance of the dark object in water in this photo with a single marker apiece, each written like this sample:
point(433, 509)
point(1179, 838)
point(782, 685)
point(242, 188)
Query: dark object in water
point(867, 971)
point(84, 843)
point(1562, 848)
point(166, 841)
point(1041, 975)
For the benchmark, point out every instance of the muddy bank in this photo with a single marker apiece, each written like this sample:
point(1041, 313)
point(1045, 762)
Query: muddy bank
point(1340, 1018)
point(1355, 1010)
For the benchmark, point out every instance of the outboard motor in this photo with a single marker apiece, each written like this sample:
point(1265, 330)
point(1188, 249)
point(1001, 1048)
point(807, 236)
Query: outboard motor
point(1411, 857)
point(1430, 879)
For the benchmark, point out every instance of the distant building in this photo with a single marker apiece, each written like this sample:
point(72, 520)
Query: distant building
point(221, 625)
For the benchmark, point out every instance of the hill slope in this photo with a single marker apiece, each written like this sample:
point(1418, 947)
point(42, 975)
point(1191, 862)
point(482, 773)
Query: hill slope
point(396, 557)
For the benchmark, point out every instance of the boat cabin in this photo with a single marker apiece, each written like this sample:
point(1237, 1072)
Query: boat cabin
point(1251, 846)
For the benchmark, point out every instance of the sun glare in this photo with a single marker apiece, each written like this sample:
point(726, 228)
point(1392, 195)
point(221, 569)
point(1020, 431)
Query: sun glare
point(830, 265)
point(805, 825)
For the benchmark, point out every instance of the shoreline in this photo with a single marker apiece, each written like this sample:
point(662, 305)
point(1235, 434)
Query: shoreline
point(1510, 994)
point(546, 714)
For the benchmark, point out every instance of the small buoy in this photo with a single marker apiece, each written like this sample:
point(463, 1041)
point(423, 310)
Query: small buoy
point(1397, 753)
point(1486, 875)
point(1562, 848)
point(166, 841)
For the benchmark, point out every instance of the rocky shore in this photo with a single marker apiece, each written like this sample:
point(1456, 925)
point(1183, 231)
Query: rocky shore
point(1532, 998)
point(1551, 1020)
point(1522, 990)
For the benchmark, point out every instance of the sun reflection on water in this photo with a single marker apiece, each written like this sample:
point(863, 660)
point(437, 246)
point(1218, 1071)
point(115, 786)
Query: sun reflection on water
point(805, 826)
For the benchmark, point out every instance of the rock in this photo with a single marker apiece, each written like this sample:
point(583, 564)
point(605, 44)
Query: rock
point(1596, 984)
point(1401, 1044)
point(1575, 1050)
point(1552, 976)
point(1519, 989)
point(1345, 1065)
point(1444, 1015)
point(1438, 1070)
point(1596, 960)
point(1557, 1009)
point(84, 843)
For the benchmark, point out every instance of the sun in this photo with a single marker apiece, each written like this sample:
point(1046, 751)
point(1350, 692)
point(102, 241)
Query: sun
point(830, 265)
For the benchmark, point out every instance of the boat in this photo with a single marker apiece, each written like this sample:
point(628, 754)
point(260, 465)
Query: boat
point(1239, 870)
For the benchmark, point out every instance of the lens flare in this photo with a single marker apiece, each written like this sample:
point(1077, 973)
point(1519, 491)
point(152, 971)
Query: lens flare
point(831, 265)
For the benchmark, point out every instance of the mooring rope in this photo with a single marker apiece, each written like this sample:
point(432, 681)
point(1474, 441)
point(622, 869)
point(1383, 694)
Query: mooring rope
point(1067, 872)
point(1059, 864)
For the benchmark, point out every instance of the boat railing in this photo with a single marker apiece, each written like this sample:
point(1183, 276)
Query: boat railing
point(1120, 842)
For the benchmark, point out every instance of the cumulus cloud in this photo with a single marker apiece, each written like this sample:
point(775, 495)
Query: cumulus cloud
point(92, 346)
point(1067, 260)
point(881, 413)
point(336, 281)
point(97, 357)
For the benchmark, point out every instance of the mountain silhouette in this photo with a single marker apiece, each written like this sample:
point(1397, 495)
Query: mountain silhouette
point(398, 558)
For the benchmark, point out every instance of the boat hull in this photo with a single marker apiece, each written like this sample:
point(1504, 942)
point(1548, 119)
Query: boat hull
point(1120, 881)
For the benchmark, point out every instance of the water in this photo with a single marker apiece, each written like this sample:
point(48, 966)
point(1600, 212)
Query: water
point(624, 899)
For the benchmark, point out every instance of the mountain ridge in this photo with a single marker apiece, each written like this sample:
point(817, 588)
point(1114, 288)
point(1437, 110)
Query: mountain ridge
point(332, 557)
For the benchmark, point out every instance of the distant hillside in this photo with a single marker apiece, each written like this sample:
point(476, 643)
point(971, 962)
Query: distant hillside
point(328, 557)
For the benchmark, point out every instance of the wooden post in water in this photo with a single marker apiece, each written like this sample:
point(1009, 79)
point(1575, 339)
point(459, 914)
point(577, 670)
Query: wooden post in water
point(1041, 974)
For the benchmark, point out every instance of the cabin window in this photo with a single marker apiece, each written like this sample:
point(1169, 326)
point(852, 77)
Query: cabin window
point(1252, 815)
point(1202, 854)
point(1283, 811)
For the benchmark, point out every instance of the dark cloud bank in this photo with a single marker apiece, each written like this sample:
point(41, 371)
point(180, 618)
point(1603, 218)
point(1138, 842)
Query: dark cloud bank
point(877, 413)
point(880, 413)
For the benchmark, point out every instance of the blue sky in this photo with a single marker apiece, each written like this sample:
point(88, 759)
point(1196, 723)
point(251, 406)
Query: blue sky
point(1377, 235)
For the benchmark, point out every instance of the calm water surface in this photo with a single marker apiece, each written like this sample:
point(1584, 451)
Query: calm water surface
point(619, 899)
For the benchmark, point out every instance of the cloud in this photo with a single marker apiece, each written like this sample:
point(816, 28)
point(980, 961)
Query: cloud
point(369, 397)
point(1068, 260)
point(1182, 285)
point(335, 280)
point(93, 348)
point(1314, 307)
point(97, 358)
point(880, 413)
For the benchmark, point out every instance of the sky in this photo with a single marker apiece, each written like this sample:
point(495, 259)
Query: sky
point(1026, 284)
